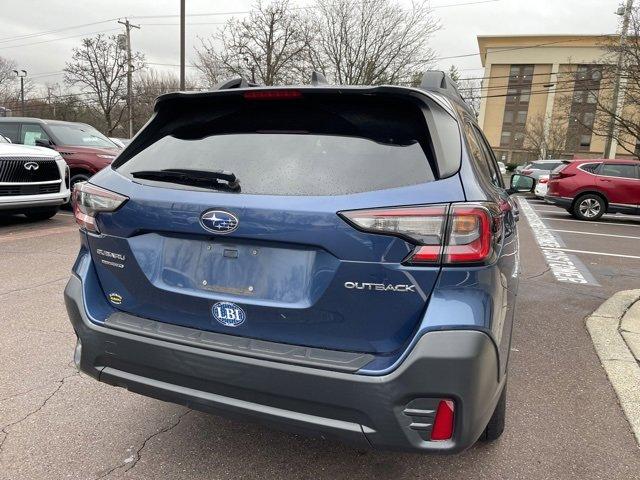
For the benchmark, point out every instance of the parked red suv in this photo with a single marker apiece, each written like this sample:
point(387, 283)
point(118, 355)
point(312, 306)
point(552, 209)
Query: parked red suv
point(588, 189)
point(84, 148)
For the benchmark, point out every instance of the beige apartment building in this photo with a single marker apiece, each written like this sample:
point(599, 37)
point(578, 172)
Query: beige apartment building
point(545, 85)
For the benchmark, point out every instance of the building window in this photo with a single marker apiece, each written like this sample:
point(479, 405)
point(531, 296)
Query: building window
point(516, 106)
point(518, 139)
point(583, 107)
point(585, 141)
point(508, 117)
point(588, 118)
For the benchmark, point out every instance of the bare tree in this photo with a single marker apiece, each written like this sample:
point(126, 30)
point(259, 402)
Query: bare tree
point(7, 79)
point(546, 139)
point(99, 69)
point(267, 47)
point(471, 92)
point(372, 41)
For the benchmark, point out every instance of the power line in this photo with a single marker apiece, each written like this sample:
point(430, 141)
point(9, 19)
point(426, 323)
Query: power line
point(491, 77)
point(58, 39)
point(48, 32)
point(464, 55)
point(309, 7)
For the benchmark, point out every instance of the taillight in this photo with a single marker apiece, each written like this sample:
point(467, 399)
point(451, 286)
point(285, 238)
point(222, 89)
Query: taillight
point(272, 94)
point(470, 235)
point(543, 180)
point(444, 421)
point(89, 200)
point(460, 233)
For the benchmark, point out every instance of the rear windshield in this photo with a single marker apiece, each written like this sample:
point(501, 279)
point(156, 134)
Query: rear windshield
point(297, 148)
point(545, 165)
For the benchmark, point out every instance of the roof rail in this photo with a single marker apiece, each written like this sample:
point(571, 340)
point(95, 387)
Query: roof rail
point(438, 81)
point(234, 83)
point(318, 79)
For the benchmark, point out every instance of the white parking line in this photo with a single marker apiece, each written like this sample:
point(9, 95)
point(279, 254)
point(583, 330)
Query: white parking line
point(565, 268)
point(593, 233)
point(594, 253)
point(585, 222)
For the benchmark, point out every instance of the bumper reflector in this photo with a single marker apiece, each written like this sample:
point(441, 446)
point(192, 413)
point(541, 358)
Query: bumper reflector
point(443, 423)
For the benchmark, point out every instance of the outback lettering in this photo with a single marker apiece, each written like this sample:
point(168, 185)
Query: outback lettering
point(380, 287)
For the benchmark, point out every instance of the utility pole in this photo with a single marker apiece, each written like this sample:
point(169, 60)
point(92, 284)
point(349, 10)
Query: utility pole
point(182, 46)
point(49, 100)
point(128, 26)
point(21, 75)
point(616, 104)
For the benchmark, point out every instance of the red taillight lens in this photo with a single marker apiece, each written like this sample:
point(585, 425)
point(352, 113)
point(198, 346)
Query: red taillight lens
point(462, 233)
point(470, 236)
point(89, 200)
point(273, 95)
point(444, 421)
point(543, 180)
point(423, 226)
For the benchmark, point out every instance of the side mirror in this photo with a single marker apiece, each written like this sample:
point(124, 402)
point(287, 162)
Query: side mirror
point(521, 184)
point(44, 142)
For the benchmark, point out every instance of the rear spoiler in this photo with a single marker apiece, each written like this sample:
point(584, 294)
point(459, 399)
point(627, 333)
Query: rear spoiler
point(433, 81)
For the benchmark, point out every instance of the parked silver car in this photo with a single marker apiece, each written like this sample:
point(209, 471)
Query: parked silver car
point(540, 167)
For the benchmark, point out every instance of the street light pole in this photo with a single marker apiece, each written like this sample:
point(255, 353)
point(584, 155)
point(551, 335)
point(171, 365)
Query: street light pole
point(182, 46)
point(21, 75)
point(616, 103)
point(128, 26)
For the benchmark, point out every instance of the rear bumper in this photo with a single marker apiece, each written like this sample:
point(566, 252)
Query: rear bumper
point(563, 202)
point(369, 411)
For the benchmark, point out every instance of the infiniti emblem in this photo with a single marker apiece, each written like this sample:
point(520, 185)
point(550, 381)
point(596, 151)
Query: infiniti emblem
point(219, 221)
point(31, 166)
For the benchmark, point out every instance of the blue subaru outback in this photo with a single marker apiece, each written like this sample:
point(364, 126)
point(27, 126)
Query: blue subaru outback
point(325, 259)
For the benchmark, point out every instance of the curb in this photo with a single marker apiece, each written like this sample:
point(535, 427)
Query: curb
point(615, 331)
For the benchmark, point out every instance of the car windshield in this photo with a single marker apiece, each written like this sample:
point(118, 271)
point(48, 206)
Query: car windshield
point(545, 165)
point(80, 136)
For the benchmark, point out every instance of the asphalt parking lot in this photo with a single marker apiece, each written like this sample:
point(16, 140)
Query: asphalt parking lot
point(563, 417)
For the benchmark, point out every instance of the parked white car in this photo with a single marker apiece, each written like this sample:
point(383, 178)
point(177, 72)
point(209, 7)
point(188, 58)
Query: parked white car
point(541, 186)
point(503, 168)
point(34, 181)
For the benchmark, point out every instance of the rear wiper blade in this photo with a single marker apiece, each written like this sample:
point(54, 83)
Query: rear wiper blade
point(216, 179)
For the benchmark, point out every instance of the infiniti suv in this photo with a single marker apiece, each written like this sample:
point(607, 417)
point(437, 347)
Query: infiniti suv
point(34, 181)
point(334, 260)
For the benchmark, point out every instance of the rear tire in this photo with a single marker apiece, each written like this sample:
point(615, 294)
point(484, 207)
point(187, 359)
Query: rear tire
point(495, 427)
point(41, 213)
point(589, 207)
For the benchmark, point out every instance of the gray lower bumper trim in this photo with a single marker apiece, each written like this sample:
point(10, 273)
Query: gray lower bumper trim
point(292, 354)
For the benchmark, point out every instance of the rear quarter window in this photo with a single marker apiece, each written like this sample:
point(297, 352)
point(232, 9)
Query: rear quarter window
point(589, 167)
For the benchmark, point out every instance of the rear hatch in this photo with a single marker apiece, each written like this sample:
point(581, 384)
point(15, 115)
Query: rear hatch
point(269, 255)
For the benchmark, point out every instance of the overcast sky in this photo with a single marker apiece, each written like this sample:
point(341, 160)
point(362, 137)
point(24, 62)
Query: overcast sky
point(44, 56)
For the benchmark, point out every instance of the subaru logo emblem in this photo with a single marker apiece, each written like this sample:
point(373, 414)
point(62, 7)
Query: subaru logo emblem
point(31, 166)
point(228, 314)
point(219, 221)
